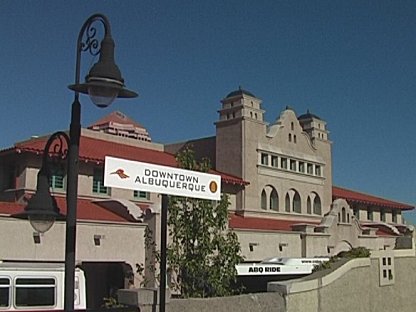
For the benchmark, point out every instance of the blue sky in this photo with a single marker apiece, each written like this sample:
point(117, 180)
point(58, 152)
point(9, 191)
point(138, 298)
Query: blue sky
point(353, 63)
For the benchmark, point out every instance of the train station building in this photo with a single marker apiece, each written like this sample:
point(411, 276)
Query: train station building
point(278, 177)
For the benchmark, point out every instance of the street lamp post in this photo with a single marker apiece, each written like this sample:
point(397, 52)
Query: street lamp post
point(103, 84)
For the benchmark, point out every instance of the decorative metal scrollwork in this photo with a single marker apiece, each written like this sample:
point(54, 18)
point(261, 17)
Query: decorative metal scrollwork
point(56, 149)
point(90, 42)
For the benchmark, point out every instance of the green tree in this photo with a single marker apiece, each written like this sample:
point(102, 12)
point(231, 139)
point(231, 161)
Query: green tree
point(203, 252)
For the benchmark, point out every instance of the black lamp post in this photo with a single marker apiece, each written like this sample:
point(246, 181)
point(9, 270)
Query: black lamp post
point(103, 83)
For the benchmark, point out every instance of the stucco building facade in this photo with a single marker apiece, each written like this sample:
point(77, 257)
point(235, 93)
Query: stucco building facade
point(278, 177)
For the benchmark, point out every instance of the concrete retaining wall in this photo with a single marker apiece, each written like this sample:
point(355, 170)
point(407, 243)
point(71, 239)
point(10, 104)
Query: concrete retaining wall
point(357, 285)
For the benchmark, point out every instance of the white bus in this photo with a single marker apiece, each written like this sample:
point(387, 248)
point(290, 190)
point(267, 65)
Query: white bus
point(37, 287)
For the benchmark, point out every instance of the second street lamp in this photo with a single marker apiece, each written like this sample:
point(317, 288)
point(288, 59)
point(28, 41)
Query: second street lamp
point(103, 83)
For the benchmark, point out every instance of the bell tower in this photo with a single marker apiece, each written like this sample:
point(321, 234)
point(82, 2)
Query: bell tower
point(241, 120)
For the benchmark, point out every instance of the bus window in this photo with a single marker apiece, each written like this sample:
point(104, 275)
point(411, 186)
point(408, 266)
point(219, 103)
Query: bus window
point(4, 292)
point(37, 292)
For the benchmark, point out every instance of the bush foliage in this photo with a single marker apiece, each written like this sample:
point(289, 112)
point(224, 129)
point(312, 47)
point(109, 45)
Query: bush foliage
point(358, 252)
point(203, 252)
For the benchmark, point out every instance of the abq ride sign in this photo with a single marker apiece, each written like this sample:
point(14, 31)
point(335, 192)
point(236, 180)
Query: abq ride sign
point(146, 177)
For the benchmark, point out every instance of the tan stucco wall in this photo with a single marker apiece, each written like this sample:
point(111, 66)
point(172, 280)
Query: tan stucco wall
point(119, 243)
point(266, 244)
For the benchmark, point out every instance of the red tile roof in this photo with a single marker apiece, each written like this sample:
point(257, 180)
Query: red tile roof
point(95, 150)
point(9, 208)
point(87, 210)
point(365, 199)
point(252, 223)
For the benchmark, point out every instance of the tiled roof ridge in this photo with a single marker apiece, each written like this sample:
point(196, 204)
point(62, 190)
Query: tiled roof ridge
point(88, 152)
point(367, 198)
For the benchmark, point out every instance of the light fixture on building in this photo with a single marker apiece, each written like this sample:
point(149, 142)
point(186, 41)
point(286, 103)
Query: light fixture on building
point(251, 246)
point(97, 239)
point(281, 245)
point(36, 237)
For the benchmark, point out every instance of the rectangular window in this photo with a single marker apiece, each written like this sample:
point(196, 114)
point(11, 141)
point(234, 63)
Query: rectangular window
point(141, 195)
point(394, 216)
point(293, 165)
point(57, 178)
point(382, 215)
point(98, 182)
point(357, 213)
point(275, 161)
point(369, 214)
point(283, 163)
point(4, 292)
point(310, 169)
point(302, 167)
point(318, 170)
point(35, 292)
point(264, 159)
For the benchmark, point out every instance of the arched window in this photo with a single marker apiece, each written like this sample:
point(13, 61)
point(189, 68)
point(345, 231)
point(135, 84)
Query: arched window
point(274, 200)
point(263, 200)
point(287, 203)
point(296, 203)
point(308, 205)
point(317, 205)
point(343, 215)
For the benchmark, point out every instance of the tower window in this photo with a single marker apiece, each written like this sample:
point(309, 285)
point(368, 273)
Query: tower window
point(317, 207)
point(264, 159)
point(293, 165)
point(275, 161)
point(263, 200)
point(287, 203)
point(318, 170)
point(296, 203)
point(283, 163)
point(274, 200)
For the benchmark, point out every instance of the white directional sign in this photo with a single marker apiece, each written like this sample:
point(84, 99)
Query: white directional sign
point(146, 177)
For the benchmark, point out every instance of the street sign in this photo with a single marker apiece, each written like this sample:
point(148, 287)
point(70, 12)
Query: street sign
point(135, 175)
